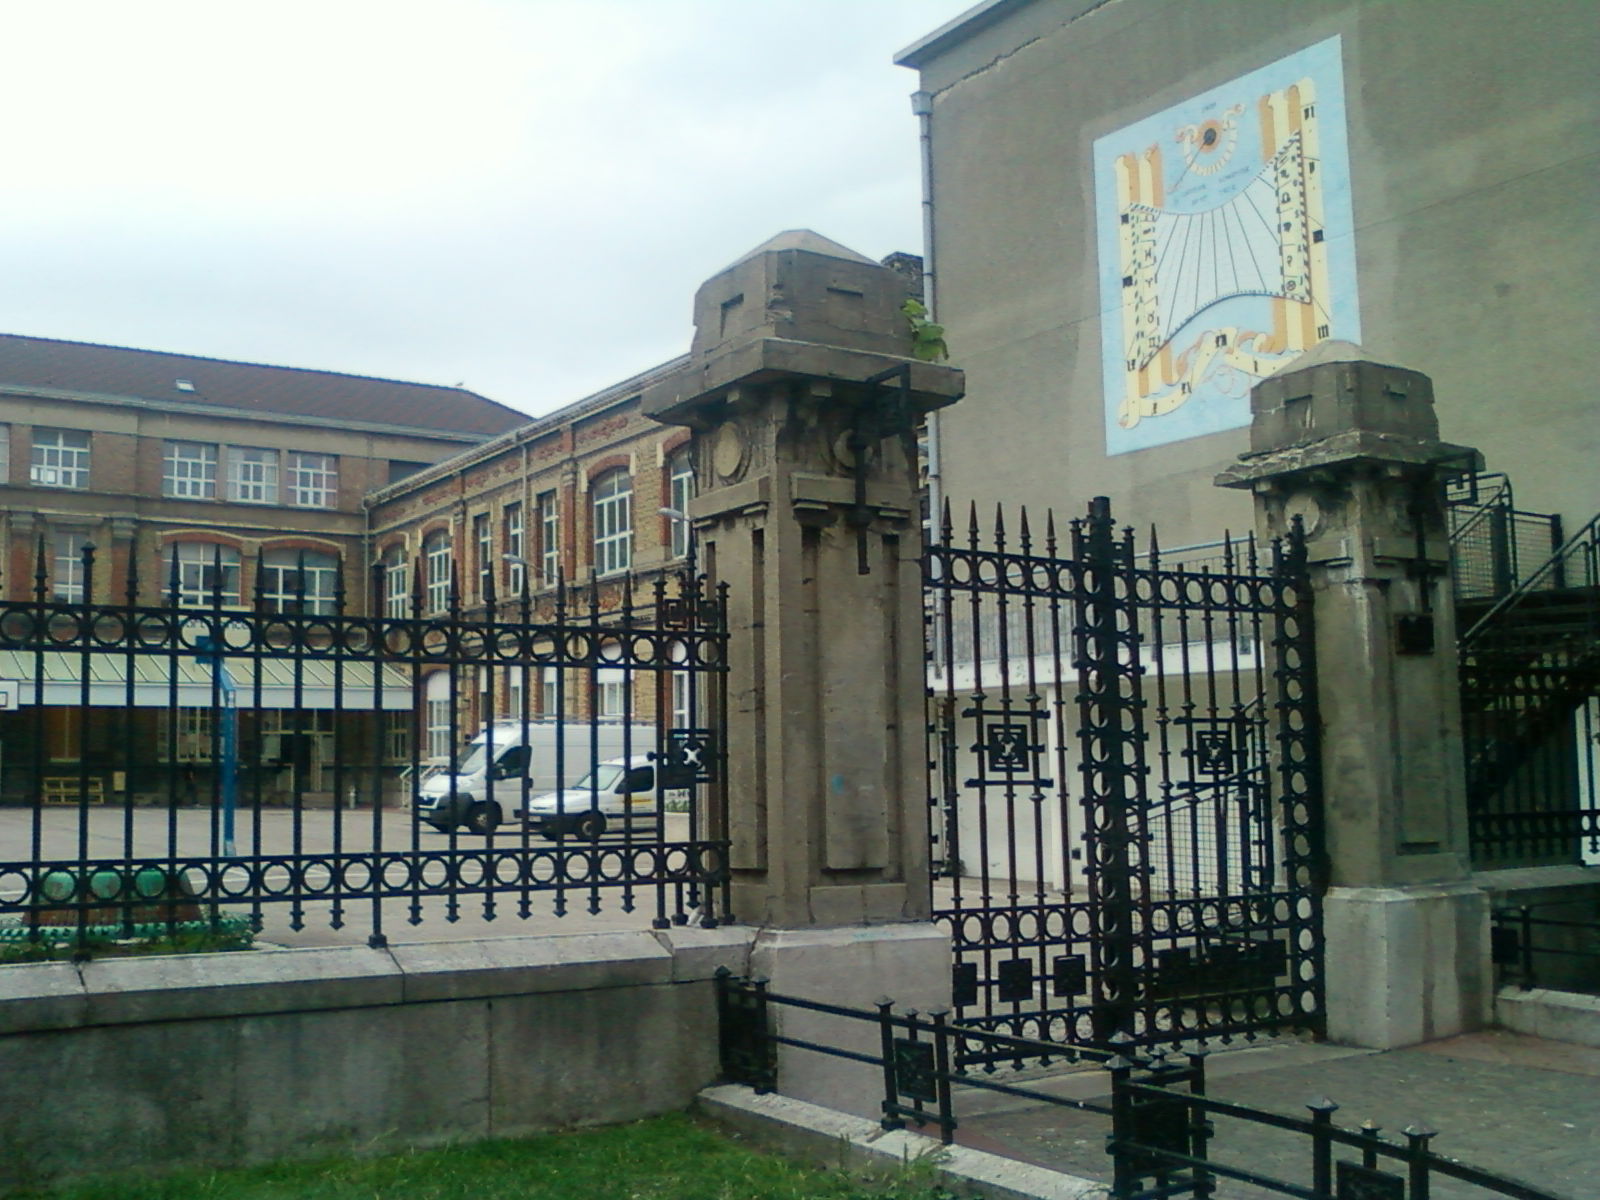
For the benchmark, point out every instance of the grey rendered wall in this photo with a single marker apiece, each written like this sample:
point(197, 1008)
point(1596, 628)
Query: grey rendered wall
point(230, 1059)
point(1472, 134)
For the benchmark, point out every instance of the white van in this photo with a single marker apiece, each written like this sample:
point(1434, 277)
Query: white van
point(511, 760)
point(613, 795)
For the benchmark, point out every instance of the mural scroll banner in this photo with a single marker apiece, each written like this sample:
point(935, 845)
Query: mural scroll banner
point(1227, 247)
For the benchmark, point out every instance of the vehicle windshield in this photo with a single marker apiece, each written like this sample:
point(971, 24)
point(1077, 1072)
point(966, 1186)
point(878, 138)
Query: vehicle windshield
point(473, 758)
point(603, 778)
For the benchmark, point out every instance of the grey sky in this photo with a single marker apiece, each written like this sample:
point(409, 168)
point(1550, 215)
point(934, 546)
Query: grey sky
point(517, 195)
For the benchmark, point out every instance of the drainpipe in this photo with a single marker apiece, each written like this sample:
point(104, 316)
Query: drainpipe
point(922, 106)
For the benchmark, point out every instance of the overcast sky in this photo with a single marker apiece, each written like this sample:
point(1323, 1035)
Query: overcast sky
point(516, 195)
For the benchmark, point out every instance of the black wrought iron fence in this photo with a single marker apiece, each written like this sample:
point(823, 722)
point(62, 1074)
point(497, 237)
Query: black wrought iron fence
point(1554, 945)
point(183, 760)
point(1163, 1136)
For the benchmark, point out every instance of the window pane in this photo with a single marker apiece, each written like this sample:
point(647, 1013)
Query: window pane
point(66, 577)
point(189, 471)
point(252, 475)
point(60, 458)
point(613, 523)
point(680, 480)
point(436, 564)
point(313, 480)
point(549, 539)
point(299, 581)
point(207, 574)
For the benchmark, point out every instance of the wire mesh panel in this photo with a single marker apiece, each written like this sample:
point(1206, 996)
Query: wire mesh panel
point(1124, 784)
point(205, 756)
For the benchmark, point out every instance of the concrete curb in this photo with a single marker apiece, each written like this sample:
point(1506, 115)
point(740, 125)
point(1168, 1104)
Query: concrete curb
point(1556, 1016)
point(829, 1138)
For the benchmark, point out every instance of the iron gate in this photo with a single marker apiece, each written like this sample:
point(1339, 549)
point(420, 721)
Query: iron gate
point(1173, 892)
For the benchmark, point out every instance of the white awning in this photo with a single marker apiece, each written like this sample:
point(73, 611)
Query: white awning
point(154, 677)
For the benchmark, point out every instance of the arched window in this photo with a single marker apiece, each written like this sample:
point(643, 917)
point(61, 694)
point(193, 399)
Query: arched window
point(396, 575)
point(613, 522)
point(299, 580)
point(680, 490)
point(206, 574)
point(436, 571)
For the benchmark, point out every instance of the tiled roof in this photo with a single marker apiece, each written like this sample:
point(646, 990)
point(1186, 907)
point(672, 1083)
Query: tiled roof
point(153, 375)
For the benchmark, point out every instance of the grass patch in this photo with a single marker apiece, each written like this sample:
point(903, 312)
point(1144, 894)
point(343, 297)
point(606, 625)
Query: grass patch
point(52, 948)
point(664, 1158)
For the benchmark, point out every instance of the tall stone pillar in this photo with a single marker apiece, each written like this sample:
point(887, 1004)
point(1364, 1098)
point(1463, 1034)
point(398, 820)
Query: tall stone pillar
point(804, 410)
point(1351, 447)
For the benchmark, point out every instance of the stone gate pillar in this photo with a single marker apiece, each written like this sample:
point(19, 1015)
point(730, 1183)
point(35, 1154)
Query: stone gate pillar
point(1352, 448)
point(804, 410)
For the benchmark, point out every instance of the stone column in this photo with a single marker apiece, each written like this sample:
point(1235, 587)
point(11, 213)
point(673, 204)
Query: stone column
point(1351, 447)
point(804, 412)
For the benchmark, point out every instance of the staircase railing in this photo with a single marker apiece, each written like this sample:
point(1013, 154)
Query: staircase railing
point(1491, 538)
point(1575, 564)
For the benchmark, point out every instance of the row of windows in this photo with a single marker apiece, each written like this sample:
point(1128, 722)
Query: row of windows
point(301, 478)
point(60, 458)
point(611, 525)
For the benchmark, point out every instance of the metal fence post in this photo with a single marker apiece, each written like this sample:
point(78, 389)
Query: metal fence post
point(1417, 1137)
point(1322, 1147)
point(1205, 1184)
point(1123, 1180)
point(941, 1068)
point(891, 1087)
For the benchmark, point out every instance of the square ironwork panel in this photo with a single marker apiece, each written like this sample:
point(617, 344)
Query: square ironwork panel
point(964, 984)
point(1070, 976)
point(1161, 1127)
point(914, 1074)
point(691, 755)
point(1214, 752)
point(1009, 747)
point(1355, 1182)
point(1016, 981)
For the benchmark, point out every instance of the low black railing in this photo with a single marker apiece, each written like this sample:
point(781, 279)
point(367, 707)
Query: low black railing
point(1560, 952)
point(1160, 1129)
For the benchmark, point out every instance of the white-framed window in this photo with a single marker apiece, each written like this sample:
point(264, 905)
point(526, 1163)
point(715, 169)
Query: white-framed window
point(610, 692)
point(680, 490)
point(207, 573)
point(189, 471)
point(436, 571)
point(613, 522)
point(396, 583)
point(549, 539)
point(549, 693)
point(516, 690)
point(252, 475)
point(67, 575)
point(299, 580)
point(682, 710)
point(60, 458)
point(483, 549)
point(313, 479)
point(436, 715)
point(516, 548)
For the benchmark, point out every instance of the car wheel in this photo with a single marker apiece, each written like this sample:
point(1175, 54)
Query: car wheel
point(590, 827)
point(483, 817)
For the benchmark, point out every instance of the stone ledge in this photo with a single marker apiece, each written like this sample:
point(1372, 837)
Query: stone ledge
point(832, 1139)
point(36, 997)
point(1558, 1016)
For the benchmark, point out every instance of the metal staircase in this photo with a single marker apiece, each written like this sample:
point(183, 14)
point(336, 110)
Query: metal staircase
point(1529, 650)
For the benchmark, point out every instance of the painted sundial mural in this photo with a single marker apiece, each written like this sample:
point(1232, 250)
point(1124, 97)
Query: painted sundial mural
point(1226, 247)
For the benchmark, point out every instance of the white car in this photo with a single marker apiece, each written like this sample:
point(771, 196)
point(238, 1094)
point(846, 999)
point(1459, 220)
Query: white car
point(615, 794)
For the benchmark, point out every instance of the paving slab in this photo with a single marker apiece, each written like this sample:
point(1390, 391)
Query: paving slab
point(1504, 1102)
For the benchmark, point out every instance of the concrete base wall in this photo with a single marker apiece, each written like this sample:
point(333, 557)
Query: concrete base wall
point(1542, 1013)
point(1406, 965)
point(854, 966)
point(230, 1059)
